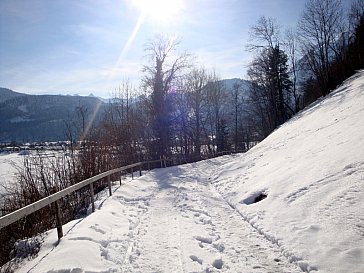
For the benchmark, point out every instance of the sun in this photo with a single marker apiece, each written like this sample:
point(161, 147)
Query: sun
point(162, 11)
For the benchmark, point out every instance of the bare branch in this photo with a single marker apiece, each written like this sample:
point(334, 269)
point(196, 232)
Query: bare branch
point(264, 34)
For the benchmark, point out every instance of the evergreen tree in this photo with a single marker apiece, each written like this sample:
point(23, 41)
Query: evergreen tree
point(270, 89)
point(279, 82)
point(222, 136)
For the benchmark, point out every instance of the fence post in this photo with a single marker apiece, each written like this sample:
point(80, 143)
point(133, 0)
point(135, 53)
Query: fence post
point(140, 170)
point(121, 173)
point(58, 220)
point(132, 173)
point(92, 197)
point(148, 165)
point(109, 184)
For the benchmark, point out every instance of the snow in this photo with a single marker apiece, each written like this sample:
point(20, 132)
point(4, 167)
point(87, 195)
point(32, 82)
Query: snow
point(8, 163)
point(168, 220)
point(312, 169)
point(202, 217)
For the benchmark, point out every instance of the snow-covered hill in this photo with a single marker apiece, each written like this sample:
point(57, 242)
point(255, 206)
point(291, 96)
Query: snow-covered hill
point(201, 217)
point(312, 169)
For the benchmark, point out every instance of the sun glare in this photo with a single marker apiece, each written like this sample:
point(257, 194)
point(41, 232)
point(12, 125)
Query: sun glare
point(159, 10)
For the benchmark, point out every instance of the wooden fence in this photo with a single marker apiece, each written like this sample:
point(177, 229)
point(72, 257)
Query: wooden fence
point(54, 198)
point(12, 217)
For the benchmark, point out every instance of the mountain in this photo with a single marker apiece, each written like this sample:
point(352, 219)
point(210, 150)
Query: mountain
point(27, 118)
point(7, 94)
point(230, 84)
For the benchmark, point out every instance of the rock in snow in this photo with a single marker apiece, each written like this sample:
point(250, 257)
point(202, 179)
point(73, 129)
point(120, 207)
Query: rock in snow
point(200, 217)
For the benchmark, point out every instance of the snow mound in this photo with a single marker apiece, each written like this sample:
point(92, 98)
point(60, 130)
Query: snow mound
point(313, 169)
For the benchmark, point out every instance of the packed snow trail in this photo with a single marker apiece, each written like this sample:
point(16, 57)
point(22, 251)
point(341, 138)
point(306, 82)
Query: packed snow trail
point(169, 220)
point(190, 228)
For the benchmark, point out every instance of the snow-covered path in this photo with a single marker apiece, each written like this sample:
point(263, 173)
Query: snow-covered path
point(169, 220)
point(190, 228)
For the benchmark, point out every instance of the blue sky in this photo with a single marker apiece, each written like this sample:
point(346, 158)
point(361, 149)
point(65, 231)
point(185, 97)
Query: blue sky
point(69, 47)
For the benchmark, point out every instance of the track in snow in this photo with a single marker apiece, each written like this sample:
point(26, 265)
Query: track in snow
point(188, 227)
point(169, 220)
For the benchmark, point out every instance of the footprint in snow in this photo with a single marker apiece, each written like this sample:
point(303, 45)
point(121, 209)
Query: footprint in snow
point(205, 240)
point(196, 259)
point(218, 263)
point(97, 229)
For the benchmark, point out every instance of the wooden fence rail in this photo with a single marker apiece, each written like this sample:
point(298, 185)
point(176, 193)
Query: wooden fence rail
point(14, 216)
point(53, 198)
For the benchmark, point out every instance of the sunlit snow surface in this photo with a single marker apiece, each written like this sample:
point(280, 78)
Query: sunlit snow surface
point(12, 162)
point(8, 163)
point(197, 218)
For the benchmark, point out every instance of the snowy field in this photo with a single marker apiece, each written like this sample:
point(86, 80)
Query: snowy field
point(8, 161)
point(200, 217)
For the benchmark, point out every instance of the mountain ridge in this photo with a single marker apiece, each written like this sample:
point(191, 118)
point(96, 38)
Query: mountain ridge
point(28, 118)
point(31, 118)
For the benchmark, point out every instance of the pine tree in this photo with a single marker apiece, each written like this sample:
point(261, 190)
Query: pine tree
point(280, 82)
point(222, 136)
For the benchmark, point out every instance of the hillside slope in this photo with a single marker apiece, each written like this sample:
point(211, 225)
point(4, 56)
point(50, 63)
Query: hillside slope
point(201, 217)
point(312, 169)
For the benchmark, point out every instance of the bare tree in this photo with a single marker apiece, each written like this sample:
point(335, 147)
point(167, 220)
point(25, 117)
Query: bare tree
point(356, 14)
point(291, 46)
point(216, 99)
point(82, 112)
point(184, 142)
point(237, 101)
point(121, 100)
point(270, 89)
point(319, 28)
point(160, 78)
point(196, 98)
point(264, 34)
